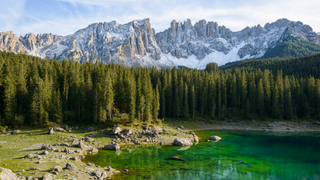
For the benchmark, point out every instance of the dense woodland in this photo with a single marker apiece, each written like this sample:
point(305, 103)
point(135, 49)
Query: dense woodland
point(299, 67)
point(292, 47)
point(35, 91)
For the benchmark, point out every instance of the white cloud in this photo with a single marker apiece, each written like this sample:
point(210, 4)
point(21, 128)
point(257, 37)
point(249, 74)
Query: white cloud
point(10, 13)
point(234, 14)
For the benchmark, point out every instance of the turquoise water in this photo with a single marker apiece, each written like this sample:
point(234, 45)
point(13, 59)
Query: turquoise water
point(240, 155)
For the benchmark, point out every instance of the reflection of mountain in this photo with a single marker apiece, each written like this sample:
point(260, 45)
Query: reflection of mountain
point(183, 44)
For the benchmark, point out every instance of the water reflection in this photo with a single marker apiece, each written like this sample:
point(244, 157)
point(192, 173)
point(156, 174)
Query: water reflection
point(257, 156)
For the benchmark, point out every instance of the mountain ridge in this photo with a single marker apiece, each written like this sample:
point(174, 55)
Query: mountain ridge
point(182, 44)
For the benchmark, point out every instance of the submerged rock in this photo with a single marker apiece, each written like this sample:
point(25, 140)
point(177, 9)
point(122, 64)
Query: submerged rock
point(178, 158)
point(182, 142)
point(215, 138)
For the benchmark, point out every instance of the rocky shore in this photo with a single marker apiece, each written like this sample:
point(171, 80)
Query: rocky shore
point(63, 159)
point(58, 152)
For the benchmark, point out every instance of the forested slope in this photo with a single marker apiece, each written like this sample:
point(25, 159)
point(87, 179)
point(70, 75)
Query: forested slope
point(35, 91)
point(302, 67)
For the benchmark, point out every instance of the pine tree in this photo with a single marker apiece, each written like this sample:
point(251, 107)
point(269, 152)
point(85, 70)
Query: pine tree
point(9, 99)
point(213, 111)
point(193, 97)
point(156, 104)
point(275, 103)
point(260, 98)
point(186, 103)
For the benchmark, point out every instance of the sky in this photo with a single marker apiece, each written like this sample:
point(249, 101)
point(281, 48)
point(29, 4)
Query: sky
point(63, 17)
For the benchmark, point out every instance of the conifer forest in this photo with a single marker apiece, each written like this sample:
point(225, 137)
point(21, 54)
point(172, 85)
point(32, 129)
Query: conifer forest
point(35, 92)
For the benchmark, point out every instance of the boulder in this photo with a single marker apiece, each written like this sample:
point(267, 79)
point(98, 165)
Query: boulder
point(59, 129)
point(128, 132)
point(44, 153)
point(51, 131)
point(7, 174)
point(81, 145)
point(182, 142)
point(16, 132)
point(215, 138)
point(34, 169)
point(104, 175)
point(117, 130)
point(153, 131)
point(21, 178)
point(90, 129)
point(87, 138)
point(112, 147)
point(90, 164)
point(47, 176)
point(196, 140)
point(29, 156)
point(70, 166)
point(57, 168)
point(94, 150)
point(46, 146)
point(97, 173)
point(178, 158)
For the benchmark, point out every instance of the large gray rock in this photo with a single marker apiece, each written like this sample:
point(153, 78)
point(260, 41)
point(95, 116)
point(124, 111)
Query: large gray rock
point(16, 132)
point(7, 174)
point(87, 138)
point(215, 138)
point(70, 166)
point(57, 168)
point(51, 131)
point(128, 132)
point(90, 129)
point(112, 147)
point(117, 130)
point(182, 142)
point(46, 146)
point(47, 176)
point(59, 129)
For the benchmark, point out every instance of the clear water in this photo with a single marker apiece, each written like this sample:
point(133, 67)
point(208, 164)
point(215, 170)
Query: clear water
point(240, 155)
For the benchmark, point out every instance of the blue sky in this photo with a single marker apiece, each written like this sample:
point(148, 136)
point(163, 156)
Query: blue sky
point(64, 17)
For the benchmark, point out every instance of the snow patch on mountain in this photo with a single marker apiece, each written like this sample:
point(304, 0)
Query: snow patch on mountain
point(136, 44)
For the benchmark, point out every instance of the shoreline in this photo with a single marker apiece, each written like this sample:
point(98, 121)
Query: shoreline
point(13, 148)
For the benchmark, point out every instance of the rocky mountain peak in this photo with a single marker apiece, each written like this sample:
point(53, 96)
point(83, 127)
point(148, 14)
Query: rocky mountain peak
point(182, 44)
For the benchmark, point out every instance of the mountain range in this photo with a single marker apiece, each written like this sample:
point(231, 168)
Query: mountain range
point(182, 44)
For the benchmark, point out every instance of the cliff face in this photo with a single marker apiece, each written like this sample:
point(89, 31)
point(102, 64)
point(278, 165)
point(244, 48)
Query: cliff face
point(136, 44)
point(182, 40)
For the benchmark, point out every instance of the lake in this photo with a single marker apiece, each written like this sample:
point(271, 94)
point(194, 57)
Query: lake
point(240, 155)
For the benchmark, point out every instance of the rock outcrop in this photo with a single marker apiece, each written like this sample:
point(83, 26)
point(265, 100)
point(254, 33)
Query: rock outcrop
point(136, 44)
point(215, 138)
point(7, 174)
point(112, 147)
point(70, 166)
point(182, 142)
